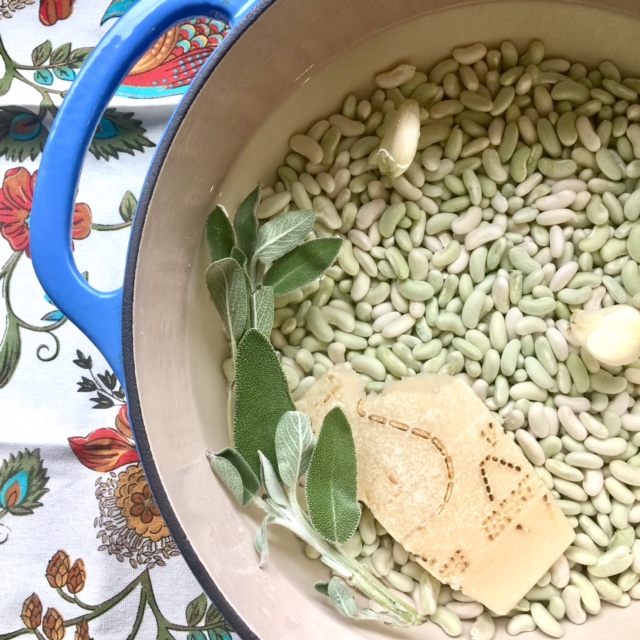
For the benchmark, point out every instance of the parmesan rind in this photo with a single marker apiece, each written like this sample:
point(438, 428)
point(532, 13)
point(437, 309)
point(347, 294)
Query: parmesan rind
point(445, 481)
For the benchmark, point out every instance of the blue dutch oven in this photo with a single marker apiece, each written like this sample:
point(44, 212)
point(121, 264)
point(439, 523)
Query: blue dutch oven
point(285, 65)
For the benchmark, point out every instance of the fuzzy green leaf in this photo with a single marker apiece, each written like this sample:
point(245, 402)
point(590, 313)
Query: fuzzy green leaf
point(294, 445)
point(261, 542)
point(332, 480)
point(219, 234)
point(238, 256)
point(270, 481)
point(262, 311)
point(262, 397)
point(322, 587)
point(342, 599)
point(196, 610)
point(282, 234)
point(246, 222)
point(228, 288)
point(307, 262)
point(237, 475)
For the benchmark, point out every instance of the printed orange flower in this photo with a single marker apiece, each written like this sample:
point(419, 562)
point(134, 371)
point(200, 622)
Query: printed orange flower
point(104, 450)
point(122, 422)
point(140, 510)
point(53, 10)
point(16, 201)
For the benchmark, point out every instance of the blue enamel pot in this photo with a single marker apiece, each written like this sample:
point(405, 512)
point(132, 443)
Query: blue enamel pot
point(285, 65)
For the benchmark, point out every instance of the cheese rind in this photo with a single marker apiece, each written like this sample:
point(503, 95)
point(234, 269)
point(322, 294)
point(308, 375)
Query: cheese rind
point(445, 481)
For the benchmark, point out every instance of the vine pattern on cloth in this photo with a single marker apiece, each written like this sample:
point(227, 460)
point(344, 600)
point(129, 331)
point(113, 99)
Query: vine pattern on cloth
point(129, 525)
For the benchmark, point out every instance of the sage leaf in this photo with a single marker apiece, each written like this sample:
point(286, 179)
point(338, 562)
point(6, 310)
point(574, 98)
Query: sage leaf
point(270, 482)
point(322, 587)
point(262, 397)
point(219, 234)
point(238, 256)
point(305, 263)
point(332, 480)
point(236, 474)
point(342, 599)
point(294, 445)
point(261, 543)
point(228, 288)
point(262, 311)
point(246, 222)
point(282, 234)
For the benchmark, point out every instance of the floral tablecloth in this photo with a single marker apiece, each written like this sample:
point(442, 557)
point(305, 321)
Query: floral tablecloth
point(84, 551)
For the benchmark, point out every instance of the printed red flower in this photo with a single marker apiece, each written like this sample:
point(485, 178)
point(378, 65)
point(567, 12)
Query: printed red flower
point(104, 450)
point(122, 422)
point(16, 200)
point(53, 10)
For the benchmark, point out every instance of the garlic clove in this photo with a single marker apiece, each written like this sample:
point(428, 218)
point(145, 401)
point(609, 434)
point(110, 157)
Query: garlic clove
point(612, 334)
point(400, 143)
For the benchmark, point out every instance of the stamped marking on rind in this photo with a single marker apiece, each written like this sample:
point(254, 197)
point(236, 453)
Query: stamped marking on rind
point(425, 435)
point(506, 510)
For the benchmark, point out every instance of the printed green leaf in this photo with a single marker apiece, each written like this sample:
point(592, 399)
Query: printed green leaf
point(10, 350)
point(342, 599)
point(33, 133)
point(261, 542)
point(282, 234)
point(262, 397)
point(61, 54)
point(196, 635)
point(78, 56)
point(307, 262)
point(228, 288)
point(270, 481)
point(5, 83)
point(246, 222)
point(118, 132)
point(294, 445)
point(128, 206)
point(23, 481)
point(262, 311)
point(332, 480)
point(43, 76)
point(65, 73)
point(219, 234)
point(196, 610)
point(41, 53)
point(236, 474)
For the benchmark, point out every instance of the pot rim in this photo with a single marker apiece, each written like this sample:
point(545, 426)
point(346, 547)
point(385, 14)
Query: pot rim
point(139, 429)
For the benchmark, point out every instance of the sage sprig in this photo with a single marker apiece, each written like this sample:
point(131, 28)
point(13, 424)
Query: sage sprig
point(281, 505)
point(275, 447)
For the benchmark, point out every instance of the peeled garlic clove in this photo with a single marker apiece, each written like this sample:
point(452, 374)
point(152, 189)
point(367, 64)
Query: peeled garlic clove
point(612, 334)
point(400, 143)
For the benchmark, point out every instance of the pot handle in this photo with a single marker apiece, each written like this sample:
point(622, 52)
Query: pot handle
point(97, 313)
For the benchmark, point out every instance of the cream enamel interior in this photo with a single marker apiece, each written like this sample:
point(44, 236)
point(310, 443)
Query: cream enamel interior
point(293, 66)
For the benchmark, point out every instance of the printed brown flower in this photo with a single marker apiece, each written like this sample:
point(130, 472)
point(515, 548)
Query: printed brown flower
point(77, 577)
point(16, 201)
point(82, 630)
point(53, 625)
point(134, 498)
point(58, 569)
point(32, 612)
